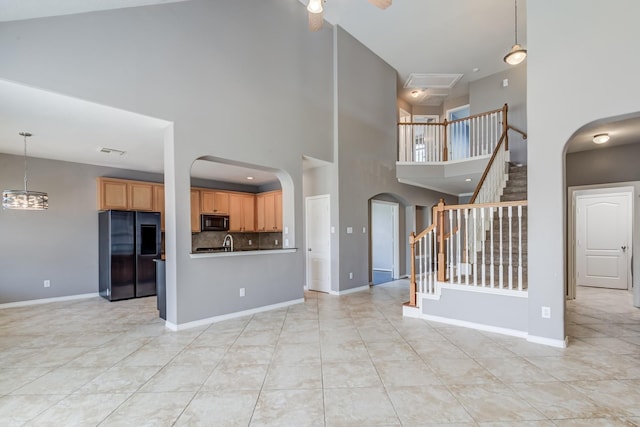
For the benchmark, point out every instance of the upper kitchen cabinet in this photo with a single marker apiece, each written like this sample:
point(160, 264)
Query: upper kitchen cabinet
point(241, 212)
point(158, 202)
point(195, 211)
point(269, 211)
point(214, 202)
point(140, 196)
point(124, 194)
point(112, 194)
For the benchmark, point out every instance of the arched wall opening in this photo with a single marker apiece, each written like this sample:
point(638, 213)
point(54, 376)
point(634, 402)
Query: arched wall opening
point(596, 179)
point(252, 203)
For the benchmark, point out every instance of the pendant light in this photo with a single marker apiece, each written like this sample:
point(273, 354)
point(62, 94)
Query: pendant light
point(25, 199)
point(517, 54)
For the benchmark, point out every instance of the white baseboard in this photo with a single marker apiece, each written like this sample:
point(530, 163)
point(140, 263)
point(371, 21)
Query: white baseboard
point(413, 312)
point(350, 291)
point(229, 316)
point(548, 341)
point(47, 300)
point(477, 326)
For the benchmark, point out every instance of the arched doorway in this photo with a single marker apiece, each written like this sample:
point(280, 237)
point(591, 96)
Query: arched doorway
point(602, 182)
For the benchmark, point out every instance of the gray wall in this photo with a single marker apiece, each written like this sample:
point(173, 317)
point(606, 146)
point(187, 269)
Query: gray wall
point(59, 244)
point(604, 165)
point(501, 311)
point(565, 92)
point(366, 126)
point(197, 64)
point(488, 94)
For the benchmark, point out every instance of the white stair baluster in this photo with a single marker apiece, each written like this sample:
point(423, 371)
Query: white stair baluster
point(519, 247)
point(500, 275)
point(509, 210)
point(483, 235)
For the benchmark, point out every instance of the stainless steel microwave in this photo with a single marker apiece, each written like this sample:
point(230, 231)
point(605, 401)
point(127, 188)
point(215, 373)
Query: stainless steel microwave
point(214, 222)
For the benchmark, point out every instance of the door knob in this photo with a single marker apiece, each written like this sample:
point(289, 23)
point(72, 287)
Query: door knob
point(309, 249)
point(624, 248)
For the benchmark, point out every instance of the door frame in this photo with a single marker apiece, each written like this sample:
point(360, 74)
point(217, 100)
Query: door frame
point(604, 189)
point(306, 238)
point(396, 238)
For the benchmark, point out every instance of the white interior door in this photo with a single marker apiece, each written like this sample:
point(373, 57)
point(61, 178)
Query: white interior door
point(603, 240)
point(384, 241)
point(318, 238)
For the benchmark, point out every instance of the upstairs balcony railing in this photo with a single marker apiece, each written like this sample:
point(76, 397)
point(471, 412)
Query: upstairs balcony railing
point(462, 139)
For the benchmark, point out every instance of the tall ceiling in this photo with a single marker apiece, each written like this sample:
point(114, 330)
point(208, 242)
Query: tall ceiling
point(465, 37)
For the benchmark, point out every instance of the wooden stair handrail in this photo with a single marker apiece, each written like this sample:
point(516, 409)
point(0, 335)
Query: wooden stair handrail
point(502, 140)
point(515, 129)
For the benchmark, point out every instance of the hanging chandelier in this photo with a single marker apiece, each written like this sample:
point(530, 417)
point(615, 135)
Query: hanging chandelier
point(517, 54)
point(25, 199)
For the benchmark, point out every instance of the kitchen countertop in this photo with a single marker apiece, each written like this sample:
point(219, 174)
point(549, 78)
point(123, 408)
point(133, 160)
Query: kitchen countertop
point(242, 252)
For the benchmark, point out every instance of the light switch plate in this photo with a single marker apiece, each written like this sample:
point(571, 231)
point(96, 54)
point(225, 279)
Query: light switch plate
point(349, 230)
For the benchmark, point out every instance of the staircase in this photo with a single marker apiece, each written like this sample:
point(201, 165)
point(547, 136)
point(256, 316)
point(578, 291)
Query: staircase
point(516, 189)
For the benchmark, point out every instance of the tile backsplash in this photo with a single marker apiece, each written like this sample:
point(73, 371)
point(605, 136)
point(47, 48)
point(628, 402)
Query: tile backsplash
point(214, 239)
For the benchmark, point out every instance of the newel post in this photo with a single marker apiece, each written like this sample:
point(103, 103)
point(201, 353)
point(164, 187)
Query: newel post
point(412, 286)
point(505, 126)
point(442, 260)
point(445, 149)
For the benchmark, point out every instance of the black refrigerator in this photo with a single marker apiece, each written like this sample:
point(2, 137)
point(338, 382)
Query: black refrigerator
point(128, 243)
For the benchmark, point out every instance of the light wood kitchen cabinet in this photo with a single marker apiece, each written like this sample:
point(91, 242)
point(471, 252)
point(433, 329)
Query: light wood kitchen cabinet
point(214, 202)
point(241, 212)
point(195, 211)
point(112, 194)
point(269, 211)
point(278, 210)
point(158, 202)
point(140, 196)
point(126, 195)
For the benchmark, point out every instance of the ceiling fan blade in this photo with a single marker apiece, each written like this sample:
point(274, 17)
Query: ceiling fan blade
point(316, 20)
point(382, 4)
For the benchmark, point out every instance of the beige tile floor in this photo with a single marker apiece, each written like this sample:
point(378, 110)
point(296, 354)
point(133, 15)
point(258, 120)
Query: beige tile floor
point(332, 361)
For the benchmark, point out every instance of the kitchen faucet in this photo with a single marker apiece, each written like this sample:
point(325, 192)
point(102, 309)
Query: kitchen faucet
point(228, 242)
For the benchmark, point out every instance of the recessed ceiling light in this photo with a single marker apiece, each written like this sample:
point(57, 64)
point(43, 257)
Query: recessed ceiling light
point(250, 178)
point(468, 180)
point(601, 138)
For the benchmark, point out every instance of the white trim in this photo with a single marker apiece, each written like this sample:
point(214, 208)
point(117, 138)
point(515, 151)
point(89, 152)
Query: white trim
point(412, 312)
point(350, 291)
point(47, 300)
point(215, 319)
point(448, 162)
point(548, 341)
point(477, 326)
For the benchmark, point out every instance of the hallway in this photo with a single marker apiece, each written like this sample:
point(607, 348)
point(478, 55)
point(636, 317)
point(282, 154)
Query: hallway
point(333, 361)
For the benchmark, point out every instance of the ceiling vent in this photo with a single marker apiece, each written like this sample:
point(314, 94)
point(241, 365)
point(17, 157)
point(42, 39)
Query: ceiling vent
point(107, 150)
point(433, 81)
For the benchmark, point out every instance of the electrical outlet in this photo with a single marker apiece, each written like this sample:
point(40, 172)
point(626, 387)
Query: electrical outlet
point(250, 242)
point(350, 275)
point(349, 230)
point(364, 229)
point(546, 312)
point(276, 242)
point(241, 292)
point(47, 283)
point(505, 83)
